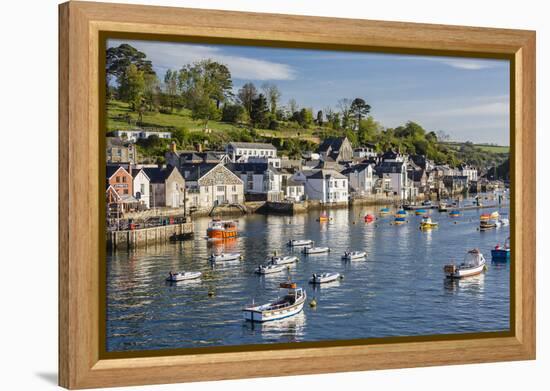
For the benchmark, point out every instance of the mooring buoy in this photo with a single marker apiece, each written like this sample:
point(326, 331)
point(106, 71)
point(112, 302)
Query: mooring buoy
point(313, 303)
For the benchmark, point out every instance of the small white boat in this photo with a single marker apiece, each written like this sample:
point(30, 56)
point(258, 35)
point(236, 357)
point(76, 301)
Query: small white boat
point(276, 260)
point(300, 242)
point(504, 222)
point(290, 304)
point(474, 263)
point(324, 278)
point(316, 250)
point(224, 257)
point(182, 276)
point(351, 255)
point(269, 269)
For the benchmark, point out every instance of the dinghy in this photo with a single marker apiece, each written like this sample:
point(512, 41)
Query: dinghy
point(276, 260)
point(323, 278)
point(351, 255)
point(300, 242)
point(290, 304)
point(501, 253)
point(182, 276)
point(473, 264)
point(427, 223)
point(270, 269)
point(316, 250)
point(224, 257)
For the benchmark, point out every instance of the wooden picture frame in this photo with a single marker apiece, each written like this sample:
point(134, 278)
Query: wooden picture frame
point(81, 364)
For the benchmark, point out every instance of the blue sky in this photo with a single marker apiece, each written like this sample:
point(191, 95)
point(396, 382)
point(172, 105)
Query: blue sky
point(466, 98)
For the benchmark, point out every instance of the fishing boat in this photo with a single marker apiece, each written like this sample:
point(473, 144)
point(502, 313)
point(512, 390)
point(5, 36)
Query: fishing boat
point(427, 223)
point(501, 253)
point(369, 218)
point(399, 220)
point(276, 260)
point(384, 211)
point(300, 242)
point(316, 250)
point(442, 207)
point(224, 257)
point(182, 276)
point(290, 304)
point(455, 213)
point(269, 269)
point(351, 255)
point(323, 278)
point(220, 229)
point(420, 212)
point(323, 218)
point(473, 264)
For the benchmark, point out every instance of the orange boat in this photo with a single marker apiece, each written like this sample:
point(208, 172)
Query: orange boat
point(323, 218)
point(219, 229)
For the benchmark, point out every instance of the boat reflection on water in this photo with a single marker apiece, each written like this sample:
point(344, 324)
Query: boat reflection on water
point(222, 245)
point(473, 284)
point(284, 330)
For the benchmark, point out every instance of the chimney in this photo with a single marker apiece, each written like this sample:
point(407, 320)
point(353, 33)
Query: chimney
point(173, 147)
point(199, 147)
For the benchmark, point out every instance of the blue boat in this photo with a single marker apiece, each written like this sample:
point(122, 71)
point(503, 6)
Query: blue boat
point(399, 220)
point(385, 211)
point(401, 212)
point(455, 213)
point(420, 212)
point(501, 253)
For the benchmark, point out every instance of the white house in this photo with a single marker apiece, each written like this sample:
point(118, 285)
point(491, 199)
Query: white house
point(293, 190)
point(361, 178)
point(325, 185)
point(366, 152)
point(136, 134)
point(259, 178)
point(248, 150)
point(469, 172)
point(142, 185)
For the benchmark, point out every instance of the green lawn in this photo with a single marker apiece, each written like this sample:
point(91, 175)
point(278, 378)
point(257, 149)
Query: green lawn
point(493, 148)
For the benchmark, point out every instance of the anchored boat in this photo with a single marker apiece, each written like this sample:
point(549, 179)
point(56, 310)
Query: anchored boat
point(474, 263)
point(323, 218)
point(427, 223)
point(300, 242)
point(220, 229)
point(501, 253)
point(270, 268)
point(224, 257)
point(316, 250)
point(182, 276)
point(276, 260)
point(420, 212)
point(369, 218)
point(323, 278)
point(290, 304)
point(455, 213)
point(384, 211)
point(442, 207)
point(399, 220)
point(351, 255)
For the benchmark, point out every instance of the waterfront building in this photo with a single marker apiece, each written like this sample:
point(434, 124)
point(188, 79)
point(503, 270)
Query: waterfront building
point(141, 187)
point(167, 187)
point(120, 179)
point(361, 178)
point(366, 152)
point(396, 170)
point(120, 151)
point(118, 194)
point(293, 190)
point(469, 172)
point(259, 179)
point(324, 185)
point(248, 150)
point(339, 149)
point(211, 184)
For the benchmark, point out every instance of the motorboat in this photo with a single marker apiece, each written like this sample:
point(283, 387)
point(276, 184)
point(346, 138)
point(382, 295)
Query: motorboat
point(455, 213)
point(501, 253)
point(384, 211)
point(442, 207)
point(300, 242)
point(399, 220)
point(474, 263)
point(182, 276)
point(270, 268)
point(420, 212)
point(277, 260)
point(352, 255)
point(225, 257)
point(316, 250)
point(220, 229)
point(290, 304)
point(323, 218)
point(369, 218)
point(323, 278)
point(427, 223)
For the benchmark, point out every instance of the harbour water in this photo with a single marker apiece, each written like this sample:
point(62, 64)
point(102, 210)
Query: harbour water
point(398, 290)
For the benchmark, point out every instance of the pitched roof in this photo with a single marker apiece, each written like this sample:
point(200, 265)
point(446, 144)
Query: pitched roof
point(156, 174)
point(110, 170)
point(389, 168)
point(193, 172)
point(325, 174)
point(334, 143)
point(252, 145)
point(356, 168)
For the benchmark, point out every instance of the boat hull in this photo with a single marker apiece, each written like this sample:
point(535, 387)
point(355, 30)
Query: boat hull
point(252, 315)
point(471, 271)
point(500, 255)
point(214, 233)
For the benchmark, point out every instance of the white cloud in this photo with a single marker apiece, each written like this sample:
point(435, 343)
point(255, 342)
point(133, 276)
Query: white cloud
point(174, 55)
point(468, 64)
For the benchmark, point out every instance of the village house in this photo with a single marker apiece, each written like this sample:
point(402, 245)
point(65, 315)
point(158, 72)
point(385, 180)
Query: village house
point(120, 151)
point(397, 172)
point(293, 190)
point(361, 178)
point(242, 152)
point(167, 187)
point(119, 187)
point(141, 187)
point(134, 135)
point(259, 178)
point(366, 152)
point(326, 186)
point(339, 149)
point(469, 172)
point(211, 184)
point(176, 158)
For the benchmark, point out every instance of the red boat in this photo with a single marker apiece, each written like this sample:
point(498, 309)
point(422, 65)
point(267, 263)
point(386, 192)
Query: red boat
point(219, 229)
point(369, 218)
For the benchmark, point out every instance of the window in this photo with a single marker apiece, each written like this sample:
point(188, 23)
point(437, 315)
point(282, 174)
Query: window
point(123, 179)
point(142, 188)
point(125, 191)
point(221, 188)
point(234, 188)
point(117, 179)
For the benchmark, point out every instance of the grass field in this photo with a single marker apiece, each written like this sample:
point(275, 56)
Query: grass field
point(493, 148)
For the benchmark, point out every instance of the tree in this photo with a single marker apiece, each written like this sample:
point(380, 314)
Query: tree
point(368, 130)
point(132, 86)
point(213, 78)
point(120, 57)
point(320, 118)
point(151, 90)
point(358, 109)
point(259, 113)
point(292, 105)
point(203, 107)
point(171, 87)
point(345, 105)
point(233, 113)
point(273, 95)
point(246, 95)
